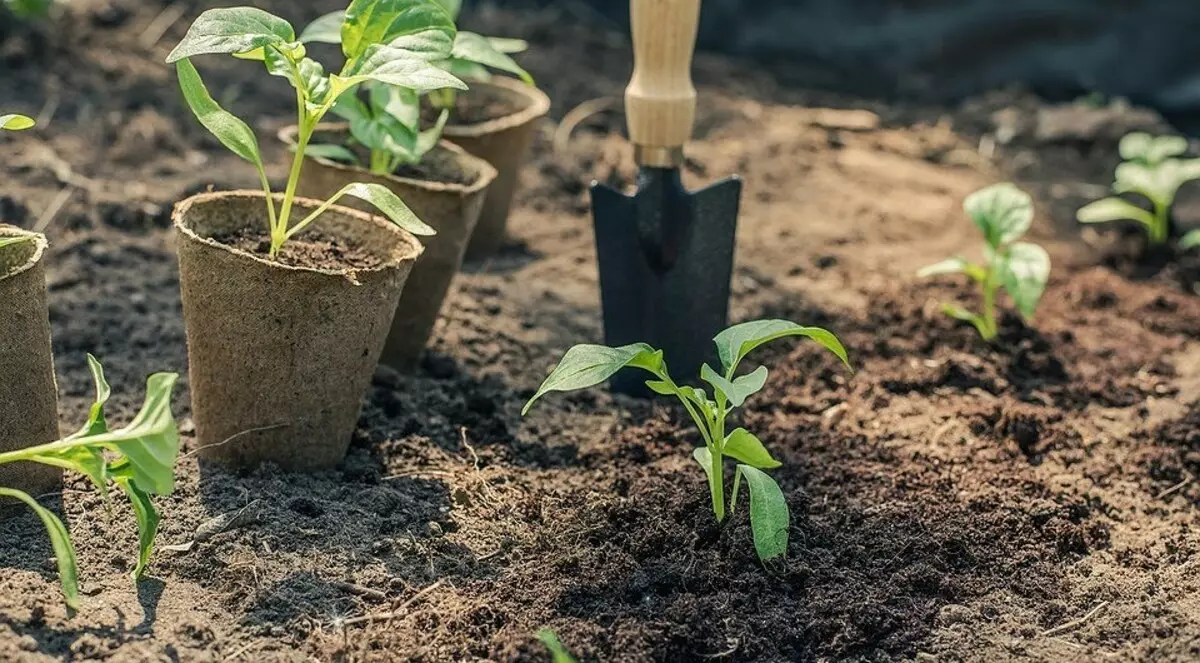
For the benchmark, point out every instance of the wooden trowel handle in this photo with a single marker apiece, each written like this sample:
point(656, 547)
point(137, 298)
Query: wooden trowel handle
point(660, 102)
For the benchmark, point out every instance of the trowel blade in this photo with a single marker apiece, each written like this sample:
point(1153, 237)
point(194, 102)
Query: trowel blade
point(666, 261)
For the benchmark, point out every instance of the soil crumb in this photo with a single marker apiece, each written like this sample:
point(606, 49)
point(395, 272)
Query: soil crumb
point(310, 250)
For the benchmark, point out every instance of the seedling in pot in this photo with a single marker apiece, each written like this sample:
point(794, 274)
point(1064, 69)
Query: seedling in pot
point(1003, 213)
point(588, 365)
point(139, 459)
point(384, 42)
point(14, 122)
point(387, 121)
point(1153, 171)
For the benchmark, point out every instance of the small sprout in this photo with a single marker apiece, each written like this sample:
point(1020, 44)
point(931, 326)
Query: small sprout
point(585, 366)
point(139, 459)
point(1152, 170)
point(387, 119)
point(1004, 213)
point(15, 122)
point(558, 651)
point(385, 43)
point(1190, 240)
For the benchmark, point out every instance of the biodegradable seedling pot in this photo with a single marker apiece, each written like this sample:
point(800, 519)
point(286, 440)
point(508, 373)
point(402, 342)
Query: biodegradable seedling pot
point(451, 208)
point(28, 393)
point(279, 356)
point(503, 142)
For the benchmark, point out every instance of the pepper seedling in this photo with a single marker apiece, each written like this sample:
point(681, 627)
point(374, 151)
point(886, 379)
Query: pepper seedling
point(585, 366)
point(1152, 170)
point(387, 122)
point(139, 459)
point(14, 122)
point(384, 41)
point(1003, 213)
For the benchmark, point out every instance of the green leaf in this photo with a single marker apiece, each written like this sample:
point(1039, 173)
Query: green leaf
point(466, 70)
point(1113, 209)
point(429, 138)
point(735, 343)
point(769, 517)
point(558, 652)
point(1143, 147)
point(325, 30)
point(739, 389)
point(1024, 274)
point(232, 30)
point(959, 313)
point(232, 132)
point(390, 204)
point(1190, 240)
point(953, 265)
point(305, 74)
point(400, 103)
point(150, 443)
point(1135, 145)
point(15, 122)
point(476, 48)
point(331, 152)
point(586, 366)
point(510, 46)
point(400, 67)
point(30, 9)
point(10, 241)
point(1002, 211)
point(374, 22)
point(662, 387)
point(704, 457)
point(744, 446)
point(143, 509)
point(60, 541)
point(96, 422)
point(452, 7)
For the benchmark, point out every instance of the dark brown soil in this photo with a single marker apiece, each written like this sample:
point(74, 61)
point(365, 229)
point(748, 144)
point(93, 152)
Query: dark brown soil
point(438, 166)
point(309, 249)
point(473, 107)
point(1033, 499)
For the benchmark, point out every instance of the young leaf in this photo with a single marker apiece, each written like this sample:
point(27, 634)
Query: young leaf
point(382, 199)
point(1002, 211)
point(558, 652)
point(588, 365)
point(325, 30)
point(1025, 271)
point(14, 122)
point(476, 48)
point(953, 265)
point(400, 67)
point(60, 541)
point(959, 313)
point(704, 457)
point(1113, 209)
point(452, 7)
point(150, 443)
point(232, 30)
point(509, 46)
point(369, 22)
point(10, 241)
point(735, 343)
point(429, 138)
point(232, 132)
point(143, 509)
point(1190, 240)
point(331, 152)
point(96, 423)
point(1134, 146)
point(738, 390)
point(769, 517)
point(744, 446)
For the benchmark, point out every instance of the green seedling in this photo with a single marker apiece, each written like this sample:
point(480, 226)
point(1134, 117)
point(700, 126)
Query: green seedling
point(1004, 213)
point(139, 459)
point(558, 651)
point(388, 42)
point(387, 120)
point(1190, 240)
point(585, 366)
point(15, 122)
point(1152, 170)
point(30, 9)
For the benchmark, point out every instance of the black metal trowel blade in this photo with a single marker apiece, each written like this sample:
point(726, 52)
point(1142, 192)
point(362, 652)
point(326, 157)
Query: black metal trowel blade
point(666, 261)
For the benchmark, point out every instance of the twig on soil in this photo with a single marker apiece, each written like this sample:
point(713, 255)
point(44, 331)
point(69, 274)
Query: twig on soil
point(1176, 488)
point(169, 16)
point(359, 590)
point(388, 616)
point(576, 116)
point(1074, 623)
point(48, 110)
point(233, 437)
point(245, 648)
point(52, 211)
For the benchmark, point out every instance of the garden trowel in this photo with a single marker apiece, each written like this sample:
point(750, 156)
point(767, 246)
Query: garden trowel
point(665, 253)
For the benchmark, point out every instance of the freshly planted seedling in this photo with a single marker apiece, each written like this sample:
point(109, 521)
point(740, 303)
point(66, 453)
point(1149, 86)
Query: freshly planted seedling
point(1153, 171)
point(387, 42)
point(585, 366)
point(139, 459)
point(1003, 213)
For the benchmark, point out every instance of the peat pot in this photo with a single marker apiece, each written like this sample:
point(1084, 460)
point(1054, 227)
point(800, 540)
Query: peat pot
point(502, 140)
point(446, 192)
point(28, 393)
point(279, 355)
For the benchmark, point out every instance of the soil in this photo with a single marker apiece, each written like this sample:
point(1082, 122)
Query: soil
point(1032, 499)
point(311, 250)
point(474, 107)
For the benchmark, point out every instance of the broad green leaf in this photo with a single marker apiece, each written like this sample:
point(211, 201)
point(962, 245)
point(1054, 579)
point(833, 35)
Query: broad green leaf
point(396, 66)
point(1135, 145)
point(331, 152)
point(232, 132)
point(143, 509)
point(1024, 275)
point(1159, 182)
point(735, 343)
point(744, 446)
point(588, 365)
point(60, 541)
point(390, 204)
point(13, 122)
point(466, 70)
point(350, 107)
point(662, 387)
point(558, 651)
point(1002, 211)
point(1113, 209)
point(398, 102)
point(428, 45)
point(429, 138)
point(769, 517)
point(150, 443)
point(96, 422)
point(386, 133)
point(1143, 147)
point(476, 48)
point(232, 30)
point(325, 30)
point(374, 22)
point(736, 391)
point(704, 457)
point(510, 46)
point(305, 74)
point(1190, 240)
point(953, 265)
point(452, 7)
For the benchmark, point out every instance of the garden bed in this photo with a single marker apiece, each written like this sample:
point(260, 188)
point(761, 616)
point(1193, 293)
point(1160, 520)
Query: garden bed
point(951, 500)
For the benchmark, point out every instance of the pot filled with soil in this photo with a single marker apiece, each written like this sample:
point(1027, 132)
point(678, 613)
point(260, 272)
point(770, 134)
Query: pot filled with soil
point(495, 121)
point(28, 393)
point(446, 190)
point(281, 350)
